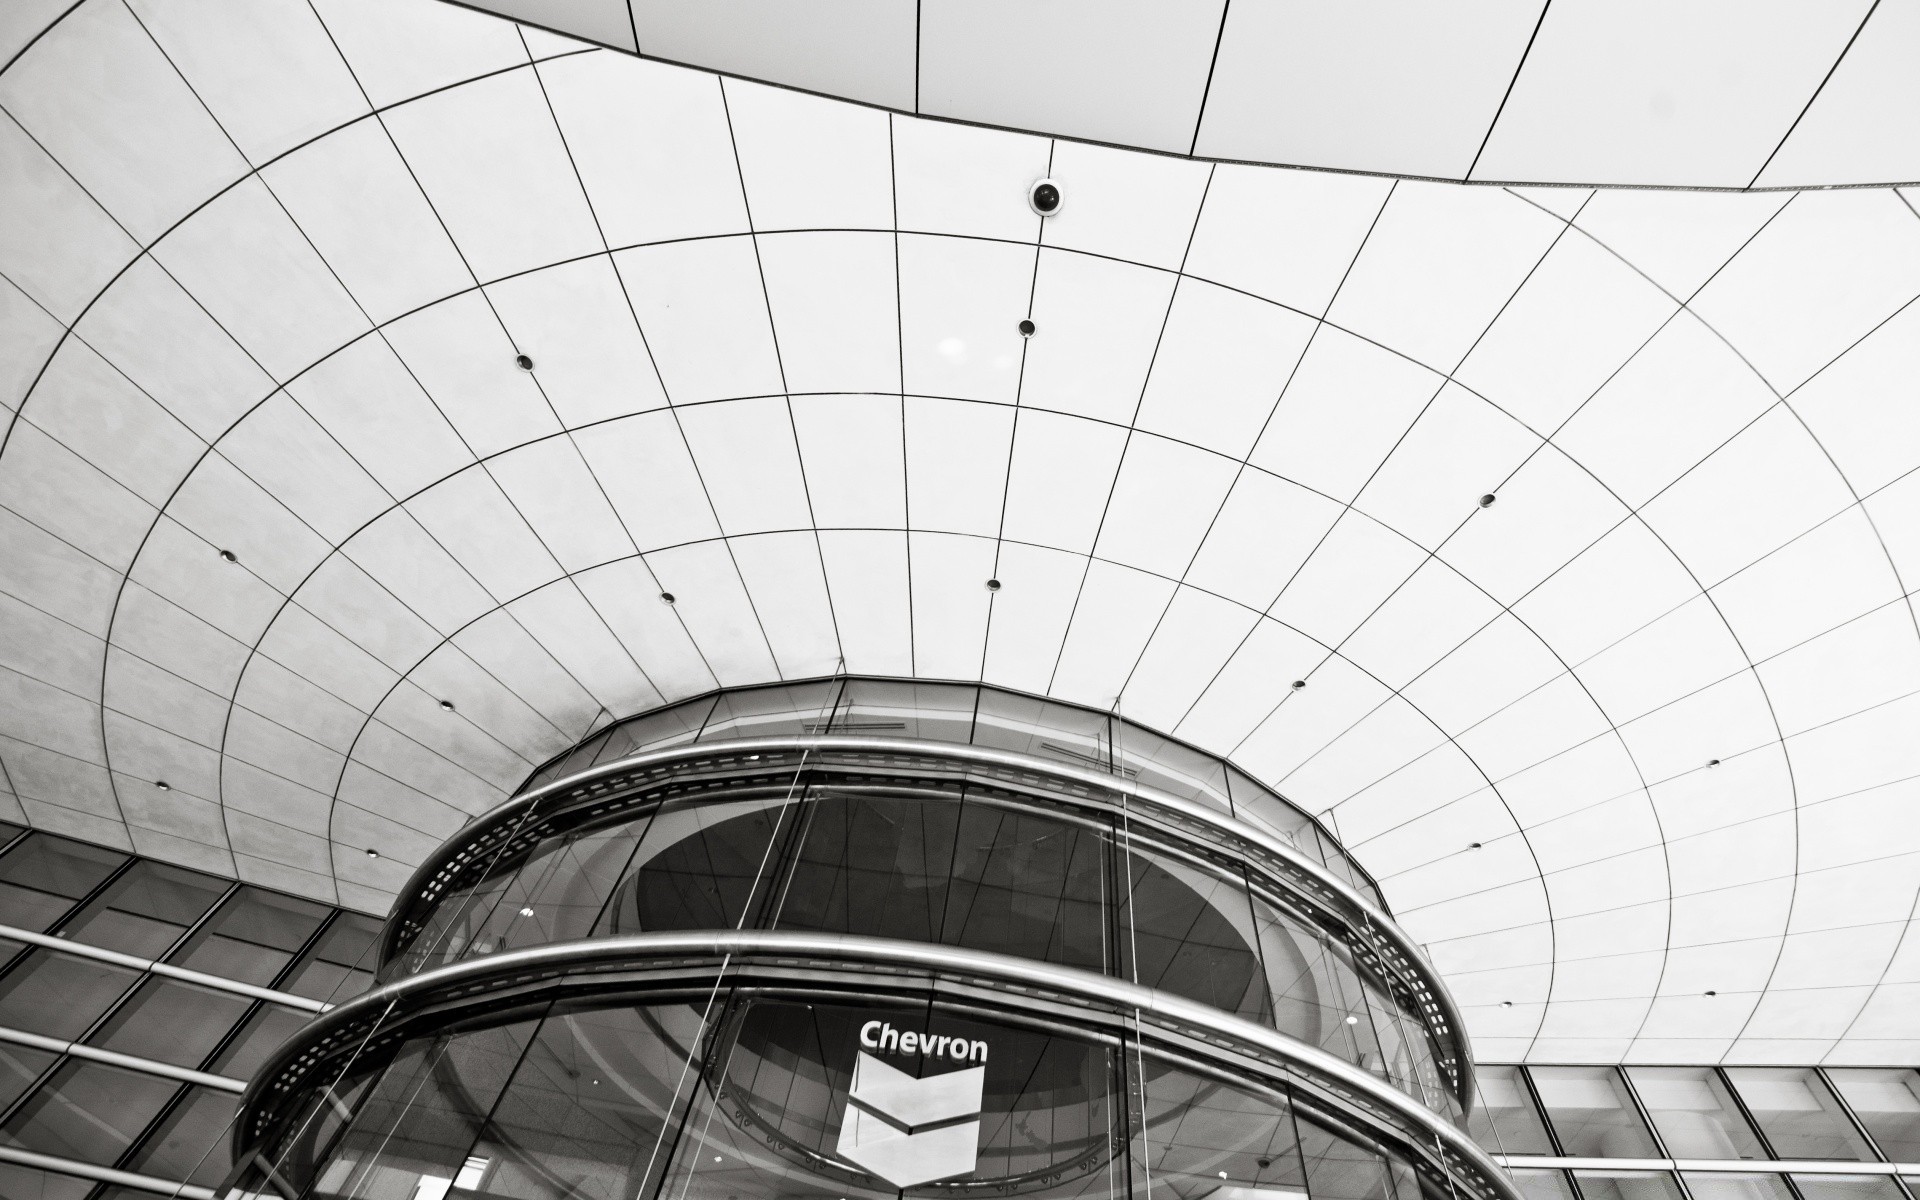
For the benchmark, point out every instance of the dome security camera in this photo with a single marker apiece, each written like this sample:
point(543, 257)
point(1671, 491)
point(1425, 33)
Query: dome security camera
point(1044, 197)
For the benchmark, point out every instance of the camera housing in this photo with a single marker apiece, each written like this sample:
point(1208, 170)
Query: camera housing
point(1044, 197)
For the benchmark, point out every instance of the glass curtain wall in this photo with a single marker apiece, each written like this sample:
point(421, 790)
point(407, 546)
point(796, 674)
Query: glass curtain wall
point(967, 714)
point(60, 1102)
point(966, 867)
point(744, 1094)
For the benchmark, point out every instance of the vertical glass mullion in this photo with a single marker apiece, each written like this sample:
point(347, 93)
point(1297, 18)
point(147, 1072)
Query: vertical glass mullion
point(1646, 1118)
point(1546, 1120)
point(1746, 1114)
point(1846, 1106)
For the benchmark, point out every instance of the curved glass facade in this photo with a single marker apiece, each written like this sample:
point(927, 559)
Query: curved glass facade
point(967, 714)
point(763, 1070)
point(875, 937)
point(961, 865)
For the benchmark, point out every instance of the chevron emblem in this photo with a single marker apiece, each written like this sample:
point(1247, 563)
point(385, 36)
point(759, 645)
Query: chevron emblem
point(911, 1131)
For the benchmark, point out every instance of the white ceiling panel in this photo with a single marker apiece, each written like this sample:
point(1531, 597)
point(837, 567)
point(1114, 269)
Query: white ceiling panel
point(823, 434)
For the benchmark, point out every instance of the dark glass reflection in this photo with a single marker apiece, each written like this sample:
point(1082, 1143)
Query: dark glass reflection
point(252, 937)
point(192, 1141)
point(60, 994)
point(747, 1096)
point(969, 870)
point(146, 909)
point(172, 1021)
point(42, 877)
point(88, 1111)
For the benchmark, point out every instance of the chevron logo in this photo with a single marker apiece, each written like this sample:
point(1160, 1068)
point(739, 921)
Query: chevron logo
point(911, 1131)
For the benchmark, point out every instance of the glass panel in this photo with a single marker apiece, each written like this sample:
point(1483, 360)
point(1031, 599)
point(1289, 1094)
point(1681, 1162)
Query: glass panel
point(42, 877)
point(193, 1141)
point(1028, 885)
point(1592, 1113)
point(698, 867)
point(1315, 990)
point(1543, 1185)
point(1848, 1187)
point(145, 911)
point(1165, 764)
point(584, 1116)
point(271, 1025)
point(172, 1021)
point(60, 994)
point(88, 1111)
point(661, 730)
point(903, 708)
point(1627, 1185)
point(252, 937)
point(1190, 930)
point(1729, 1185)
point(340, 965)
point(1694, 1113)
point(1196, 1136)
point(1800, 1117)
point(1030, 726)
point(30, 1183)
point(19, 1067)
point(1888, 1104)
point(414, 1130)
point(558, 892)
point(448, 930)
point(1341, 1168)
point(874, 866)
point(1503, 1118)
point(772, 711)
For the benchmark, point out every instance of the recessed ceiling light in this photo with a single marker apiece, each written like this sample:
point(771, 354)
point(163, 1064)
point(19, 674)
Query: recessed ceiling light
point(1487, 500)
point(230, 556)
point(993, 585)
point(1353, 1020)
point(666, 597)
point(447, 705)
point(1298, 684)
point(372, 853)
point(1474, 845)
point(1506, 1004)
point(523, 362)
point(1711, 992)
point(1713, 762)
point(1027, 328)
point(163, 785)
point(526, 912)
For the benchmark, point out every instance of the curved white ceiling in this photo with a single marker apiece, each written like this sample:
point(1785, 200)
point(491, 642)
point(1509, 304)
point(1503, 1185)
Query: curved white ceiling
point(265, 268)
point(1700, 93)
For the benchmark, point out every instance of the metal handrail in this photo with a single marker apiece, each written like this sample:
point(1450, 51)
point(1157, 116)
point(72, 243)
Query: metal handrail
point(148, 965)
point(1195, 1028)
point(818, 751)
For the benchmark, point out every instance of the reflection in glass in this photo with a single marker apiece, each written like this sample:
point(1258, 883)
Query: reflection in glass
point(1798, 1115)
point(1543, 1185)
point(1339, 1167)
point(146, 909)
point(1200, 1136)
point(192, 1142)
point(586, 1113)
point(88, 1111)
point(1888, 1104)
point(172, 1021)
point(1189, 929)
point(1503, 1118)
point(1592, 1113)
point(1694, 1113)
point(60, 994)
point(31, 1183)
point(1729, 1185)
point(42, 877)
point(19, 1067)
point(424, 1114)
point(1627, 1185)
point(270, 1025)
point(252, 936)
point(1847, 1187)
point(340, 964)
